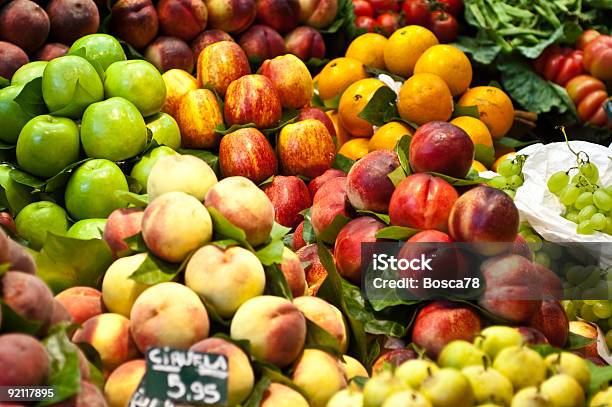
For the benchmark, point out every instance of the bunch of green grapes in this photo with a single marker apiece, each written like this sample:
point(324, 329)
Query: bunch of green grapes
point(544, 253)
point(510, 176)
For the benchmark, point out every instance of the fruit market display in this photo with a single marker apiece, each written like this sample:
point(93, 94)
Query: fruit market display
point(209, 176)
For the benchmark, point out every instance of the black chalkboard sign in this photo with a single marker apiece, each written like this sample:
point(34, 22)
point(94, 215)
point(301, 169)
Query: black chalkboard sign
point(182, 376)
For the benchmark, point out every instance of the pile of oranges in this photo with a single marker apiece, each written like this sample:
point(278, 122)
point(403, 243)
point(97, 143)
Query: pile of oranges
point(438, 78)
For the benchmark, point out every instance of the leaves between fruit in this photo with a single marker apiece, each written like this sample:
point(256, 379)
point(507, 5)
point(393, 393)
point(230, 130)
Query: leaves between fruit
point(209, 158)
point(458, 182)
point(319, 338)
point(289, 116)
point(400, 233)
point(343, 163)
point(139, 201)
point(329, 234)
point(307, 232)
point(257, 395)
point(397, 176)
point(154, 270)
point(381, 108)
point(278, 231)
point(375, 72)
point(30, 98)
point(226, 229)
point(510, 142)
point(276, 283)
point(484, 154)
point(4, 82)
point(402, 148)
point(272, 253)
point(60, 179)
point(13, 322)
point(136, 243)
point(380, 216)
point(471, 111)
point(276, 375)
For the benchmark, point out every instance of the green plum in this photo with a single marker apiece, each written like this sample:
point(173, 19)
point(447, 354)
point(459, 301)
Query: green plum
point(165, 130)
point(448, 388)
point(459, 354)
point(87, 229)
point(563, 391)
point(570, 364)
point(524, 367)
point(12, 116)
point(102, 48)
point(495, 338)
point(489, 385)
point(38, 218)
point(17, 195)
point(413, 372)
point(28, 72)
point(530, 397)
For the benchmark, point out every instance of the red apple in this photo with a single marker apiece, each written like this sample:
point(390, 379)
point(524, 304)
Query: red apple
point(11, 58)
point(317, 114)
point(368, 186)
point(305, 148)
point(298, 240)
point(134, 21)
point(232, 16)
point(290, 196)
point(318, 182)
point(348, 249)
point(252, 99)
point(50, 51)
point(248, 153)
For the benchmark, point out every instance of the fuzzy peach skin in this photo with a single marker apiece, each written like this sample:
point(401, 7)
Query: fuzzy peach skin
point(220, 64)
point(326, 316)
point(294, 273)
point(123, 382)
point(81, 302)
point(24, 361)
point(159, 319)
point(27, 295)
point(291, 79)
point(184, 173)
point(178, 83)
point(274, 326)
point(175, 224)
point(320, 375)
point(241, 378)
point(121, 224)
point(119, 291)
point(368, 186)
point(225, 279)
point(109, 334)
point(279, 395)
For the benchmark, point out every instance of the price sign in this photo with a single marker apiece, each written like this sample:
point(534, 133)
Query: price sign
point(182, 376)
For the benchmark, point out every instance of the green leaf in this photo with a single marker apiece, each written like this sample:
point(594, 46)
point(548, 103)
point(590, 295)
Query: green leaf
point(381, 108)
point(484, 154)
point(65, 262)
point(308, 233)
point(600, 377)
point(510, 142)
point(289, 116)
point(154, 271)
point(214, 315)
point(225, 243)
point(278, 231)
point(59, 180)
point(225, 228)
point(256, 396)
point(209, 158)
point(266, 181)
point(333, 103)
point(319, 338)
point(396, 233)
point(375, 72)
point(136, 243)
point(380, 216)
point(575, 341)
point(316, 64)
point(139, 201)
point(534, 51)
point(130, 52)
point(329, 234)
point(223, 130)
point(30, 98)
point(275, 375)
point(402, 148)
point(80, 97)
point(276, 283)
point(4, 82)
point(471, 111)
point(483, 52)
point(13, 322)
point(458, 182)
point(397, 176)
point(23, 178)
point(133, 185)
point(343, 163)
point(272, 253)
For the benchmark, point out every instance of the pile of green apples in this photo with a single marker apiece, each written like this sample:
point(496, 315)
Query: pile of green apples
point(497, 369)
point(72, 129)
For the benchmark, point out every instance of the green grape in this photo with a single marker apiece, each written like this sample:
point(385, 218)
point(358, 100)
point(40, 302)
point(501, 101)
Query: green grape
point(590, 302)
point(599, 221)
point(602, 310)
point(609, 190)
point(553, 250)
point(572, 216)
point(585, 228)
point(586, 312)
point(510, 192)
point(590, 171)
point(584, 199)
point(608, 228)
point(515, 181)
point(587, 213)
point(602, 200)
point(498, 182)
point(575, 274)
point(590, 277)
point(569, 195)
point(570, 309)
point(535, 242)
point(542, 258)
point(508, 168)
point(557, 182)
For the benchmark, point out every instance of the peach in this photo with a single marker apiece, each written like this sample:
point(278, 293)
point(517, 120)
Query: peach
point(261, 42)
point(441, 147)
point(353, 368)
point(121, 224)
point(291, 79)
point(252, 99)
point(59, 314)
point(241, 379)
point(245, 206)
point(297, 242)
point(551, 320)
point(50, 51)
point(326, 316)
point(305, 148)
point(123, 382)
point(170, 53)
point(175, 224)
point(484, 214)
point(20, 258)
point(220, 64)
point(72, 19)
point(551, 284)
point(305, 43)
point(24, 361)
point(27, 295)
point(198, 116)
point(279, 395)
point(347, 248)
point(8, 222)
point(206, 38)
point(294, 273)
point(158, 319)
point(281, 15)
point(109, 334)
point(441, 322)
point(318, 182)
point(232, 16)
point(134, 21)
point(318, 13)
point(247, 153)
point(368, 186)
point(88, 396)
point(178, 83)
point(82, 303)
point(182, 19)
point(25, 24)
point(11, 58)
point(274, 326)
point(119, 291)
point(183, 173)
point(330, 201)
point(422, 201)
point(318, 114)
point(289, 196)
point(225, 278)
point(315, 272)
point(320, 375)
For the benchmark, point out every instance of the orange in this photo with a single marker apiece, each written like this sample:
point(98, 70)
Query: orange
point(450, 64)
point(387, 136)
point(480, 135)
point(404, 48)
point(423, 98)
point(342, 136)
point(354, 148)
point(368, 48)
point(338, 75)
point(478, 166)
point(494, 106)
point(353, 101)
point(508, 156)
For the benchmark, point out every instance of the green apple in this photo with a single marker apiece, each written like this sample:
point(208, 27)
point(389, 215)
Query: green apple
point(38, 218)
point(413, 372)
point(346, 398)
point(602, 398)
point(379, 387)
point(563, 391)
point(165, 130)
point(113, 129)
point(524, 367)
point(17, 195)
point(59, 86)
point(459, 354)
point(12, 117)
point(102, 48)
point(139, 82)
point(530, 397)
point(91, 190)
point(489, 385)
point(87, 229)
point(47, 144)
point(142, 169)
point(448, 388)
point(29, 71)
point(495, 338)
point(405, 398)
point(570, 364)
